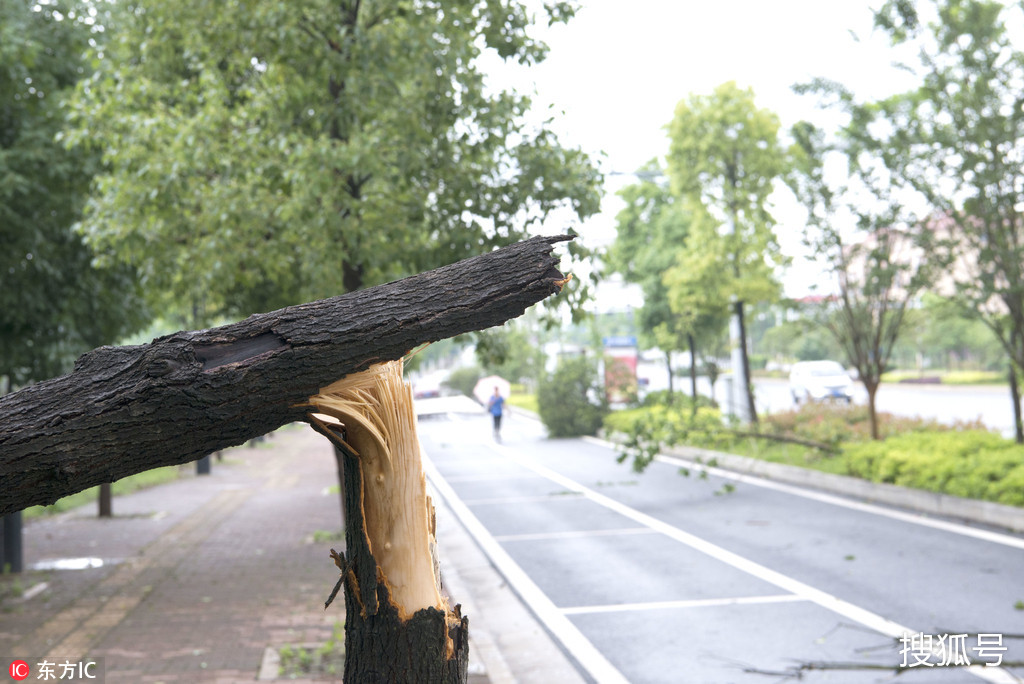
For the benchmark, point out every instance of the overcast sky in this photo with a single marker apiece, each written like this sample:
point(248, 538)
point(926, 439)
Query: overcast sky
point(616, 72)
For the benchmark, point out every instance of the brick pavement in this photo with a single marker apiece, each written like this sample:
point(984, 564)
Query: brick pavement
point(200, 575)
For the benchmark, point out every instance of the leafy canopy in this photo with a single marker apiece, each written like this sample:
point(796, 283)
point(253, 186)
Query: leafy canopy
point(260, 153)
point(724, 159)
point(958, 141)
point(650, 232)
point(54, 304)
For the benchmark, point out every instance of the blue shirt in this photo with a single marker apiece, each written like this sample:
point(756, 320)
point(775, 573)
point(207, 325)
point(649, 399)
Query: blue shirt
point(494, 405)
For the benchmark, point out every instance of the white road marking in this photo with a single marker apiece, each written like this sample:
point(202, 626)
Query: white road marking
point(571, 534)
point(588, 657)
point(503, 500)
point(490, 477)
point(822, 598)
point(693, 603)
point(945, 526)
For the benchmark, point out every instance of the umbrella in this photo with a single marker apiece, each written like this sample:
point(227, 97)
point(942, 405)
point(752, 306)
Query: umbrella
point(484, 388)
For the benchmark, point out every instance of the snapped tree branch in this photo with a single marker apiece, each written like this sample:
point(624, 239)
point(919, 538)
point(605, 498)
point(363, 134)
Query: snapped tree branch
point(124, 410)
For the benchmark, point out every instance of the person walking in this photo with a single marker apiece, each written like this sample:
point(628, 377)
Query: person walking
point(495, 405)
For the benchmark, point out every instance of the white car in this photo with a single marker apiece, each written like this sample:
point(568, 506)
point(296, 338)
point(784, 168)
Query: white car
point(820, 380)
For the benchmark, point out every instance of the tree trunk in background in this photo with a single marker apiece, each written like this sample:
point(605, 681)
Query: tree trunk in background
point(749, 389)
point(693, 371)
point(1018, 422)
point(106, 508)
point(872, 389)
point(671, 384)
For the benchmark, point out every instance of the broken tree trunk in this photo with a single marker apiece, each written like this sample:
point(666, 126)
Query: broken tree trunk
point(124, 410)
point(398, 627)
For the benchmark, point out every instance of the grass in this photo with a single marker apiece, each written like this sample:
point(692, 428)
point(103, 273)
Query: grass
point(127, 485)
point(949, 377)
point(523, 401)
point(303, 661)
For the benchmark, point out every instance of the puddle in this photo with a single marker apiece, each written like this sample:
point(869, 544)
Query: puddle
point(69, 564)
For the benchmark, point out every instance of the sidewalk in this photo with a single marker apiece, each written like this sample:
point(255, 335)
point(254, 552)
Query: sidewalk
point(200, 580)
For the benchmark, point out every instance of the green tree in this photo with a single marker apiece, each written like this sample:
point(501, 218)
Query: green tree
point(955, 339)
point(259, 154)
point(513, 351)
point(866, 238)
point(650, 231)
point(724, 157)
point(54, 304)
point(696, 287)
point(957, 140)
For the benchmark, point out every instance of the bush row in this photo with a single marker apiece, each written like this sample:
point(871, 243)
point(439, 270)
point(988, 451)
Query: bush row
point(964, 460)
point(971, 463)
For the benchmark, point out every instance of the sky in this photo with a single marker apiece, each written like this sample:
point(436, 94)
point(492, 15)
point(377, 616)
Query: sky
point(615, 73)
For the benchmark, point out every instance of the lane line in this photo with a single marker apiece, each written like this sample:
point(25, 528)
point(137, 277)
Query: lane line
point(822, 598)
point(502, 500)
point(572, 534)
point(692, 603)
point(874, 509)
point(584, 652)
point(490, 477)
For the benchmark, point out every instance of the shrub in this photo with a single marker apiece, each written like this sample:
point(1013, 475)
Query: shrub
point(571, 400)
point(835, 425)
point(648, 429)
point(968, 463)
point(679, 398)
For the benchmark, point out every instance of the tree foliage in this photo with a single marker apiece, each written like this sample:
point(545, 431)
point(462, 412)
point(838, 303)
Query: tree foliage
point(724, 154)
point(651, 231)
point(513, 351)
point(958, 140)
point(724, 160)
point(258, 153)
point(54, 304)
point(866, 238)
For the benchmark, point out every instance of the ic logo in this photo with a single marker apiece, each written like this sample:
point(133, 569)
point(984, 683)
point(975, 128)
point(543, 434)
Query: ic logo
point(19, 670)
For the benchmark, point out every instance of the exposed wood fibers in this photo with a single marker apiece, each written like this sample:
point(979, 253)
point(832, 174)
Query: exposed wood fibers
point(376, 413)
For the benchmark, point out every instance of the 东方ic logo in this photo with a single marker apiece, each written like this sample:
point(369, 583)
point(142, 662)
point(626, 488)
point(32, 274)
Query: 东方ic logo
point(19, 670)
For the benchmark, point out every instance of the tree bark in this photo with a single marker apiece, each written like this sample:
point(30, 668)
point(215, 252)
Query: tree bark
point(124, 410)
point(872, 389)
point(1018, 420)
point(671, 385)
point(693, 372)
point(105, 506)
point(749, 389)
point(430, 646)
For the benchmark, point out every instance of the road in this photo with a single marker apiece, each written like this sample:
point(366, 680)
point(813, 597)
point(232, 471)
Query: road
point(662, 578)
point(945, 403)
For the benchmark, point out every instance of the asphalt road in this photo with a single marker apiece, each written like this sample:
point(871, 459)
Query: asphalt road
point(658, 577)
point(945, 403)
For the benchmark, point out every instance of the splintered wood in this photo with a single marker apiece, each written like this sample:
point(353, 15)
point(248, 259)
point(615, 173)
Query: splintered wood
point(372, 411)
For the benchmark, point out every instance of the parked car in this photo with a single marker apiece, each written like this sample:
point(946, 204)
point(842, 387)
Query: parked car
point(820, 380)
